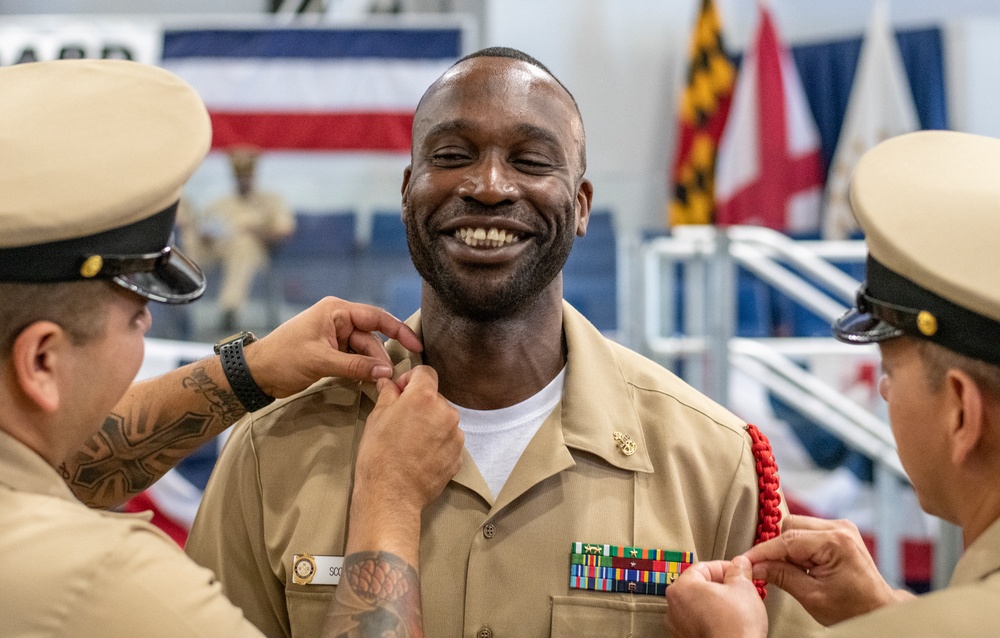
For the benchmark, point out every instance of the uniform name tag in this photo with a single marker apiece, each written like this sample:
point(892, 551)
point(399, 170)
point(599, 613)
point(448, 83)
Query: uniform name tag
point(316, 570)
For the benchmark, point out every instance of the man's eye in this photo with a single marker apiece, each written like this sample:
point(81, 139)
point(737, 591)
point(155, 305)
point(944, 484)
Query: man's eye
point(532, 165)
point(448, 157)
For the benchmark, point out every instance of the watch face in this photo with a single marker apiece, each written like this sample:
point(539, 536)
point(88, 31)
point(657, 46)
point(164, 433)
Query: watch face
point(245, 336)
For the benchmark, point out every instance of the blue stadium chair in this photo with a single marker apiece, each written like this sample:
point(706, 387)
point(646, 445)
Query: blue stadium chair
point(403, 298)
point(320, 234)
point(388, 234)
point(319, 259)
point(601, 224)
point(385, 259)
point(590, 274)
point(596, 253)
point(596, 298)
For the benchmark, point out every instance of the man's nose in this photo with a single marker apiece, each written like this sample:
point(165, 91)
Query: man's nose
point(490, 181)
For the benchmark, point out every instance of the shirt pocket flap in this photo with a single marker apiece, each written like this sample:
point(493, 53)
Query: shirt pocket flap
point(596, 617)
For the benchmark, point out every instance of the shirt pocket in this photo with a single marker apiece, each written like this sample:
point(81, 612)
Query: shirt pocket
point(307, 609)
point(594, 617)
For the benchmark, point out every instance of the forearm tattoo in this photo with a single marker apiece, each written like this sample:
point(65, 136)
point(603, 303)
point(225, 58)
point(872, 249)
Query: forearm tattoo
point(130, 452)
point(223, 403)
point(390, 588)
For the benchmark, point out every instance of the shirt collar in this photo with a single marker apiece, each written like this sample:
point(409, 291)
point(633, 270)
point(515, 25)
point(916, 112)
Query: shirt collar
point(23, 470)
point(597, 399)
point(981, 559)
point(403, 360)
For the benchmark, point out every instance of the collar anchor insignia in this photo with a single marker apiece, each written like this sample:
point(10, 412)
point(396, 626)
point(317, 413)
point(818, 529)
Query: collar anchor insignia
point(626, 445)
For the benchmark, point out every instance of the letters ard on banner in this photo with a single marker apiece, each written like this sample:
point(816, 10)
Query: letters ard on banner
point(54, 39)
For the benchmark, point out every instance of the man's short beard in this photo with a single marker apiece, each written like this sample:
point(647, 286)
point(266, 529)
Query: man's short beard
point(484, 305)
point(493, 305)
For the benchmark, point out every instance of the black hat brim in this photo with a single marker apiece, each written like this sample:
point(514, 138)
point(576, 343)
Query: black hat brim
point(175, 280)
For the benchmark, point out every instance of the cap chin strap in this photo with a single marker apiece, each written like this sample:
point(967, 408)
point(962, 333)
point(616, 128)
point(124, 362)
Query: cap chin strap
point(910, 320)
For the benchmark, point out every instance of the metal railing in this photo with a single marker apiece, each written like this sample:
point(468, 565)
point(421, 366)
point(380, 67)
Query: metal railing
point(704, 260)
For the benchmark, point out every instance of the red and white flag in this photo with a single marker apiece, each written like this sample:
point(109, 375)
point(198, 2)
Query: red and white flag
point(769, 170)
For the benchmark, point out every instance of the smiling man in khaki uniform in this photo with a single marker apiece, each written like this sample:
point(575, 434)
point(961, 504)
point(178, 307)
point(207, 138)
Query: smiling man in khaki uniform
point(95, 154)
point(575, 445)
point(929, 204)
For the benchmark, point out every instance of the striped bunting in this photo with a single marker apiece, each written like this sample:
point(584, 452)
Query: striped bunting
point(634, 570)
point(312, 88)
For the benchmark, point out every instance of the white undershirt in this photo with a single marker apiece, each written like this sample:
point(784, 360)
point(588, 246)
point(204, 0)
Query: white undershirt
point(497, 438)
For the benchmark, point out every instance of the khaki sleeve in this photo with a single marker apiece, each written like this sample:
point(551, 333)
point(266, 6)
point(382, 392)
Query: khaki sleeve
point(147, 587)
point(786, 617)
point(967, 610)
point(228, 535)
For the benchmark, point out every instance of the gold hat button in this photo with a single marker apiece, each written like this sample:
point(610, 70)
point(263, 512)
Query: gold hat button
point(926, 323)
point(92, 266)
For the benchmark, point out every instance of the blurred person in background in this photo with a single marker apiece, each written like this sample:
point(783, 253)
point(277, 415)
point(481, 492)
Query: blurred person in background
point(240, 230)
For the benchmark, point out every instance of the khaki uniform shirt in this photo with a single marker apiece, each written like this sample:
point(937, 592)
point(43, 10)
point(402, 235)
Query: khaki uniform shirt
point(67, 570)
point(497, 569)
point(970, 606)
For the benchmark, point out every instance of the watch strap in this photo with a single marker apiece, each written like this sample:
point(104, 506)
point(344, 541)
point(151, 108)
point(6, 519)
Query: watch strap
point(234, 365)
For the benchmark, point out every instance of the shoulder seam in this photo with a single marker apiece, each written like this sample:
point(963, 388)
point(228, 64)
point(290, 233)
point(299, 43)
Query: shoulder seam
point(673, 397)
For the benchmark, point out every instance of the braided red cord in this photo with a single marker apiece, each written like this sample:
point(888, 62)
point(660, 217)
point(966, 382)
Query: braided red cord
point(768, 515)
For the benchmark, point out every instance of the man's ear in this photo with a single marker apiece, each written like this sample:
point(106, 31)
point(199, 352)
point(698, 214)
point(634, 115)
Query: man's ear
point(966, 413)
point(407, 172)
point(584, 199)
point(38, 355)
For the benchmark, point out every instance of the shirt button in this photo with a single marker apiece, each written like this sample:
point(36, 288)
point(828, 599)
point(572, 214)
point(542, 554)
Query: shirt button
point(489, 531)
point(485, 632)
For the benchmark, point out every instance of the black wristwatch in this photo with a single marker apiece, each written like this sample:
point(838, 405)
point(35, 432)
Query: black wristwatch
point(234, 365)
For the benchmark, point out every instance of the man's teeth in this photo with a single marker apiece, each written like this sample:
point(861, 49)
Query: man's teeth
point(482, 237)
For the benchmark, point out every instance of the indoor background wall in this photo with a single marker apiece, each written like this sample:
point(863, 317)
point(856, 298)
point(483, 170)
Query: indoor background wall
point(623, 59)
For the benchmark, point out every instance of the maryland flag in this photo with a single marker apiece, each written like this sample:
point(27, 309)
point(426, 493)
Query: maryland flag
point(702, 113)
